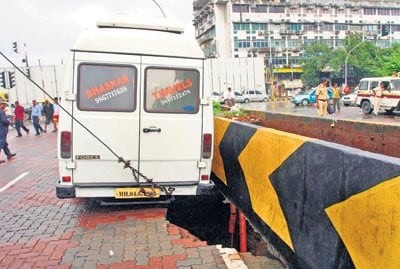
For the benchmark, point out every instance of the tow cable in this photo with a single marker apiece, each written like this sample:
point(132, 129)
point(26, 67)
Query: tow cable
point(127, 163)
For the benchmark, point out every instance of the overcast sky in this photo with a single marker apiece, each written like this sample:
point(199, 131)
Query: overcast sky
point(50, 27)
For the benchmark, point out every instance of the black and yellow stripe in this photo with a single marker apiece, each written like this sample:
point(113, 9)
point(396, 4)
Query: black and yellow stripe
point(328, 203)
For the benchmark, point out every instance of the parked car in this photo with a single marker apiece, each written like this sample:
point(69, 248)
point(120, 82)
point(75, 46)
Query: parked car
point(254, 95)
point(307, 97)
point(239, 98)
point(350, 99)
point(217, 97)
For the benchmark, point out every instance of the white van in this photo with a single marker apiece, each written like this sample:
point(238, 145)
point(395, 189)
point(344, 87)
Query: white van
point(390, 97)
point(143, 121)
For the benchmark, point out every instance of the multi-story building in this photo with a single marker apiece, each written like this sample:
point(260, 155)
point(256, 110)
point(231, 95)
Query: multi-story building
point(278, 31)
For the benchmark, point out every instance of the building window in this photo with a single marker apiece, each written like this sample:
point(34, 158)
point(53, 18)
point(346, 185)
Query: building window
point(395, 28)
point(309, 27)
point(327, 27)
point(293, 43)
point(369, 11)
point(241, 26)
point(260, 9)
point(341, 27)
point(370, 28)
point(277, 9)
point(259, 26)
point(395, 12)
point(241, 44)
point(384, 11)
point(240, 8)
point(355, 28)
point(295, 27)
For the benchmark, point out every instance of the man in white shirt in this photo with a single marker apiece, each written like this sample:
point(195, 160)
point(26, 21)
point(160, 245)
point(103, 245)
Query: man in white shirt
point(378, 91)
point(36, 114)
point(229, 97)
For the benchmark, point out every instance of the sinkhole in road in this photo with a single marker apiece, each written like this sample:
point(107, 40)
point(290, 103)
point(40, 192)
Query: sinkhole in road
point(207, 218)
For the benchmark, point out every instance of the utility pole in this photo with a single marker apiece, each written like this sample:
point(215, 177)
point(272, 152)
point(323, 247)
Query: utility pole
point(347, 58)
point(28, 72)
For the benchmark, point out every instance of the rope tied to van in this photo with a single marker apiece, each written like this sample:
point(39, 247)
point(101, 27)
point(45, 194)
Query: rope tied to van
point(137, 175)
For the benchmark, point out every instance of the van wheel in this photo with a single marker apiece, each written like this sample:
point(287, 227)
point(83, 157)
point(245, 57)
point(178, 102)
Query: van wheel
point(246, 100)
point(265, 99)
point(366, 107)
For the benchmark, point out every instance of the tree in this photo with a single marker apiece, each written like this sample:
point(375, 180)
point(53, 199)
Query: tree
point(315, 60)
point(389, 60)
point(364, 59)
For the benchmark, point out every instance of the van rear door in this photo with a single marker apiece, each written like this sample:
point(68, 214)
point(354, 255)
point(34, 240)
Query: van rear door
point(107, 104)
point(171, 120)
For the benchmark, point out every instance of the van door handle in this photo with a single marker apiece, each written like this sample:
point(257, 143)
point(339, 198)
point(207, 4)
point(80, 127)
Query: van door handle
point(151, 129)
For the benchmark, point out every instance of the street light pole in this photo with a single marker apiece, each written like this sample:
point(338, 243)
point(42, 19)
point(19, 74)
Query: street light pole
point(347, 58)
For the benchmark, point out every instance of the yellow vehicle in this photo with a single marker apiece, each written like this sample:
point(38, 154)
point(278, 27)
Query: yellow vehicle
point(3, 96)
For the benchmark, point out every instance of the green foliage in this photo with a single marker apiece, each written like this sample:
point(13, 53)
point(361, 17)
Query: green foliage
point(390, 59)
point(220, 111)
point(315, 61)
point(365, 59)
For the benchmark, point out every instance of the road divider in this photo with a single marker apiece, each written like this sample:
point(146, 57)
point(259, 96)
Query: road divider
point(321, 204)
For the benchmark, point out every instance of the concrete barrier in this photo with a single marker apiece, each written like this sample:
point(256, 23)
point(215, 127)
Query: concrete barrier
point(323, 205)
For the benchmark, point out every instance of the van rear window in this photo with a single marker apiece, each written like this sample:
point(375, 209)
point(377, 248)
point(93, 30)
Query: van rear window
point(106, 87)
point(169, 90)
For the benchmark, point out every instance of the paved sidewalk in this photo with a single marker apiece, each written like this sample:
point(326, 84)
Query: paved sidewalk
point(38, 230)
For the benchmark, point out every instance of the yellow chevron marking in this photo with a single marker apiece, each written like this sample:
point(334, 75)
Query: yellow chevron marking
point(369, 225)
point(264, 153)
point(220, 127)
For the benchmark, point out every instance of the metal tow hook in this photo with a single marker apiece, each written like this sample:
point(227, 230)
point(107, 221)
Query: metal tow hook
point(152, 129)
point(169, 190)
point(149, 194)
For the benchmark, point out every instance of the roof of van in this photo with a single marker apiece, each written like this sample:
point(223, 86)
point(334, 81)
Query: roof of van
point(140, 36)
point(378, 78)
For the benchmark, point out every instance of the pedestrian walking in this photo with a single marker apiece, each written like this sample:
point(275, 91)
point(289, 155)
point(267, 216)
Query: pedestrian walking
point(321, 95)
point(48, 112)
point(19, 117)
point(56, 114)
point(4, 123)
point(36, 113)
point(336, 92)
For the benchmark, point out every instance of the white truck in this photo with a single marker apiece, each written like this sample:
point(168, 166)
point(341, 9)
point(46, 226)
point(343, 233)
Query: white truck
point(390, 97)
point(136, 120)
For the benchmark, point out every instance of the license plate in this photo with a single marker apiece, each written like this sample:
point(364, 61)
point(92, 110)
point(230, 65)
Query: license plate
point(132, 193)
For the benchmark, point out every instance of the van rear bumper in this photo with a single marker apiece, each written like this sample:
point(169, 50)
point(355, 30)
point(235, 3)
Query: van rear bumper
point(63, 191)
point(67, 191)
point(206, 189)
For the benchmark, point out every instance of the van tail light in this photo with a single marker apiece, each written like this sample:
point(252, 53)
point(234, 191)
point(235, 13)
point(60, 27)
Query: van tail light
point(66, 179)
point(66, 144)
point(204, 177)
point(207, 144)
